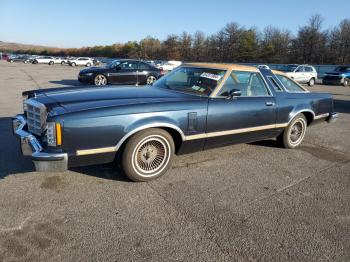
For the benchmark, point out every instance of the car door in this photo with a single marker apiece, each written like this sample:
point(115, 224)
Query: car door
point(238, 119)
point(124, 73)
point(299, 74)
point(81, 61)
point(143, 72)
point(309, 73)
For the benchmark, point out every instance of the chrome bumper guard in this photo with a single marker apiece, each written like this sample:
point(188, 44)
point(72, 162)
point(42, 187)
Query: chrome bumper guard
point(30, 146)
point(332, 118)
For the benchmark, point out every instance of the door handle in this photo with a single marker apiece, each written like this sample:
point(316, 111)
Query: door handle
point(269, 103)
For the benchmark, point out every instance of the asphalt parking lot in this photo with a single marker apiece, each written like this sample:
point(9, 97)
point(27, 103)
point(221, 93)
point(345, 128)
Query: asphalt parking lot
point(249, 202)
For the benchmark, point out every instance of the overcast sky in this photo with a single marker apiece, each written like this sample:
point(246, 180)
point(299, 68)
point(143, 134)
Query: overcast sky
point(76, 23)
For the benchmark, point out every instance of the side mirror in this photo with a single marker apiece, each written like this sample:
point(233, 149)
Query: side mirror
point(234, 93)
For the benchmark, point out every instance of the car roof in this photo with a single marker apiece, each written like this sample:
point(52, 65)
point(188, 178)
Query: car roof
point(223, 66)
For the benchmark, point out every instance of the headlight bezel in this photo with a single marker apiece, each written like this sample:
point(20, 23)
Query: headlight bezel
point(50, 134)
point(53, 134)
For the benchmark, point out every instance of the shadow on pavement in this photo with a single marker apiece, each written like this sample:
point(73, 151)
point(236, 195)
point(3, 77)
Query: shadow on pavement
point(11, 159)
point(266, 143)
point(106, 171)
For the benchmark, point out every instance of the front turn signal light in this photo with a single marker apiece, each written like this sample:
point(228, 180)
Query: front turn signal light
point(58, 134)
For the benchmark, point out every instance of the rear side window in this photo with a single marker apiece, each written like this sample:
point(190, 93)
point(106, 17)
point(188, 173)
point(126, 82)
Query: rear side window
point(289, 85)
point(249, 83)
point(300, 69)
point(144, 66)
point(308, 69)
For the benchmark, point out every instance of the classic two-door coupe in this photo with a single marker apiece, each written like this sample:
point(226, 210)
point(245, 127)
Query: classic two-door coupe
point(195, 107)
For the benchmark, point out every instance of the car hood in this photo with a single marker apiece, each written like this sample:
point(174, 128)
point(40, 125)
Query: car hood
point(81, 99)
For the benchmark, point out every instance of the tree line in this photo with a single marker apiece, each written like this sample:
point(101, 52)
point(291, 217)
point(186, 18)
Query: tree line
point(234, 43)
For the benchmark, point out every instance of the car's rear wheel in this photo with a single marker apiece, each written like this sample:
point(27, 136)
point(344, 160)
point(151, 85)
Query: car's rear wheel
point(51, 63)
point(346, 82)
point(62, 63)
point(151, 79)
point(35, 62)
point(148, 155)
point(73, 64)
point(294, 133)
point(311, 82)
point(88, 64)
point(100, 80)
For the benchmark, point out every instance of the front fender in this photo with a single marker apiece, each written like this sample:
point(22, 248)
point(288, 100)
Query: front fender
point(150, 122)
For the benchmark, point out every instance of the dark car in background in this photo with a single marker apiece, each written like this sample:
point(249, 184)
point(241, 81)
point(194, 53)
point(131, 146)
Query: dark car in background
point(123, 71)
point(340, 76)
point(20, 58)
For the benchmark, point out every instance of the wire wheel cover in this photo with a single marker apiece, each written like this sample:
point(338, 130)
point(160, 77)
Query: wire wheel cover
point(297, 131)
point(151, 155)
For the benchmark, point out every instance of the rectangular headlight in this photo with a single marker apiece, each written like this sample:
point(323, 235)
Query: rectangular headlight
point(54, 134)
point(51, 134)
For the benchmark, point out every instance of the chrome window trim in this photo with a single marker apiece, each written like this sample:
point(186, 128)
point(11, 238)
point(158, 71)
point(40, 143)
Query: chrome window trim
point(272, 79)
point(270, 94)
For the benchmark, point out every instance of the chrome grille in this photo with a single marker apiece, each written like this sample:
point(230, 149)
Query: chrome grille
point(36, 116)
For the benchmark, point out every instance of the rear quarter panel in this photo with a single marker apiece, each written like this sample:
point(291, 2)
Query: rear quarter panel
point(290, 104)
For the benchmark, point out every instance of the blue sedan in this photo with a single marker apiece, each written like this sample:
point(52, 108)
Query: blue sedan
point(195, 107)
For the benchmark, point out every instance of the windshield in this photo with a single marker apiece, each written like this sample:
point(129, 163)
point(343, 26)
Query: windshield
point(342, 69)
point(200, 81)
point(288, 68)
point(113, 64)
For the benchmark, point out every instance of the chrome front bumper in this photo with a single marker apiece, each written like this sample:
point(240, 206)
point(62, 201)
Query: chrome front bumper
point(30, 146)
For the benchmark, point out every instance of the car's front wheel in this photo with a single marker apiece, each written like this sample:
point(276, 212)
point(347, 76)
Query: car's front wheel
point(294, 133)
point(148, 155)
point(100, 80)
point(88, 64)
point(51, 63)
point(346, 82)
point(311, 82)
point(62, 63)
point(73, 64)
